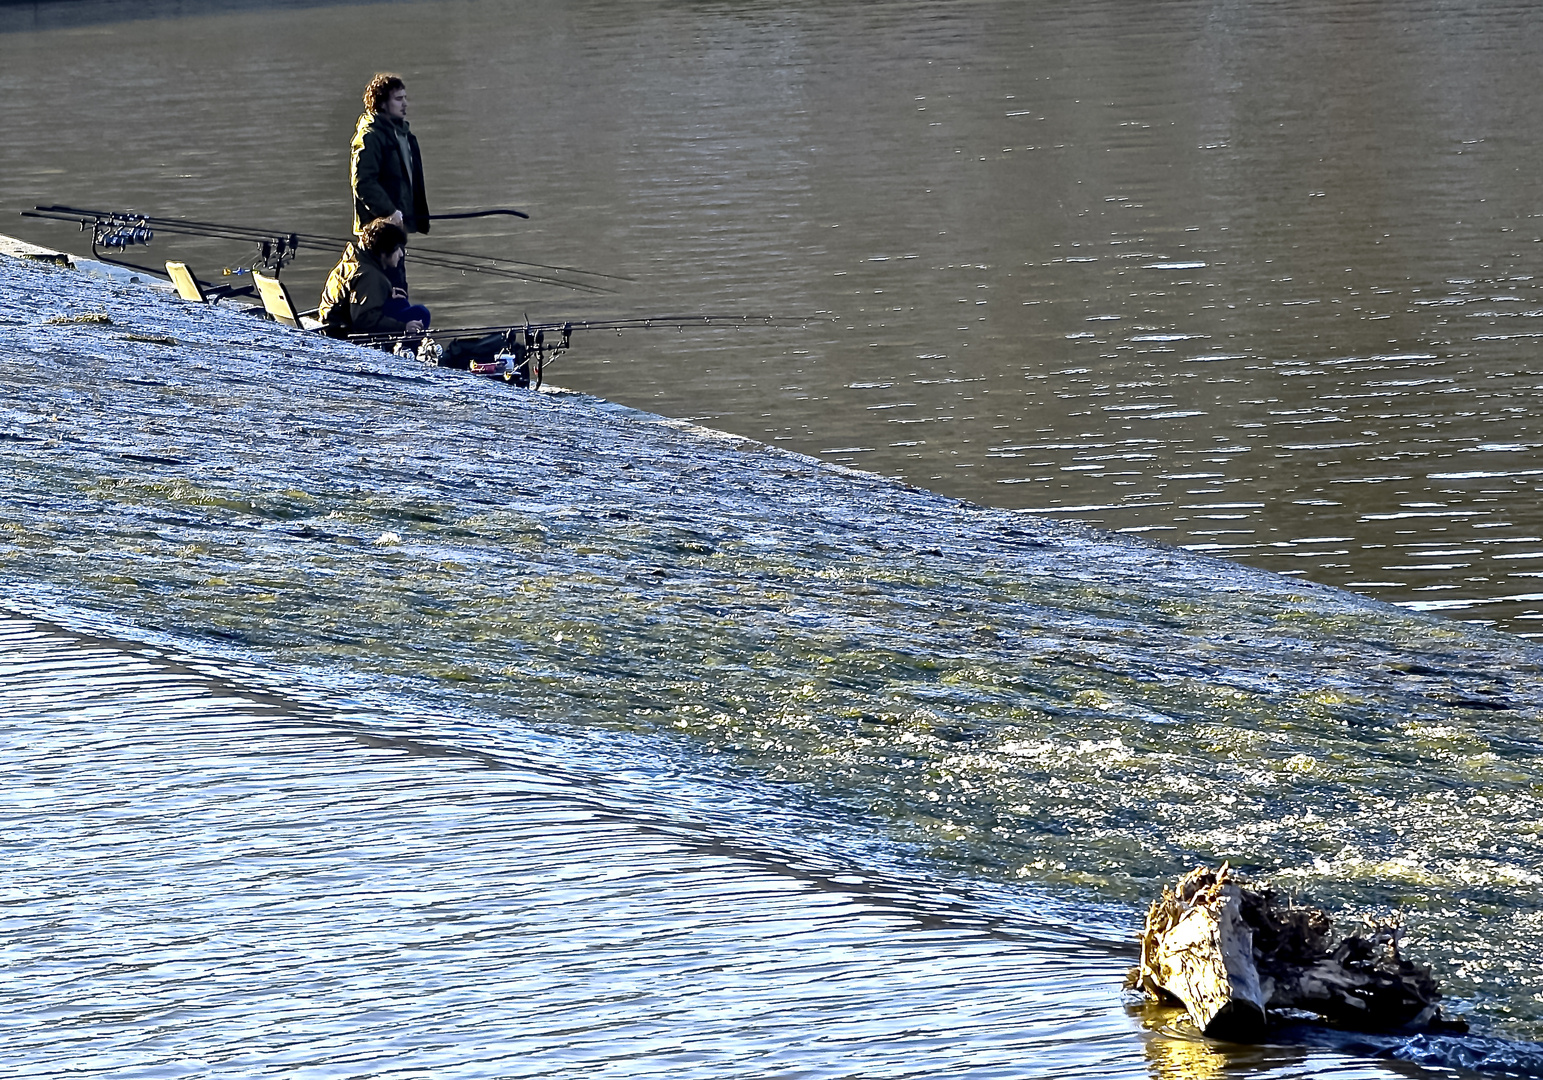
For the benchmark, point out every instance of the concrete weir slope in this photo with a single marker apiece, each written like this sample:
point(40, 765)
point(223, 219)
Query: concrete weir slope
point(21, 249)
point(1001, 695)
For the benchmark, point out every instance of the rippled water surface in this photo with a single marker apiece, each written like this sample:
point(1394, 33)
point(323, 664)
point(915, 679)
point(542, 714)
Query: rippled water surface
point(206, 883)
point(1254, 279)
point(442, 690)
point(363, 719)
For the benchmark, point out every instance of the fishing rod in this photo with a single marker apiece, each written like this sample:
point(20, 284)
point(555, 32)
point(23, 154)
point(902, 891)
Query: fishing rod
point(277, 249)
point(639, 322)
point(118, 229)
point(520, 352)
point(479, 213)
point(567, 326)
point(226, 231)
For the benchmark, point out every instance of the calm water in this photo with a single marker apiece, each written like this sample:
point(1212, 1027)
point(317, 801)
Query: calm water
point(1251, 279)
point(405, 721)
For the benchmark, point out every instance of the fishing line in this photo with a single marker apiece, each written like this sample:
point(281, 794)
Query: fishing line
point(441, 258)
point(567, 326)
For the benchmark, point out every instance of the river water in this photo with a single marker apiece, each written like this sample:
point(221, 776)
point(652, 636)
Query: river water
point(297, 892)
point(366, 719)
point(1255, 279)
point(410, 726)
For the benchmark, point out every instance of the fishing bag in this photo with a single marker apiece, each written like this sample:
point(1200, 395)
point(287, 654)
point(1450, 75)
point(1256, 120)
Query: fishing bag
point(462, 353)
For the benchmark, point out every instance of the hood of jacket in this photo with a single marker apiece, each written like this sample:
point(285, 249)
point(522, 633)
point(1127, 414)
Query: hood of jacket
point(382, 124)
point(356, 255)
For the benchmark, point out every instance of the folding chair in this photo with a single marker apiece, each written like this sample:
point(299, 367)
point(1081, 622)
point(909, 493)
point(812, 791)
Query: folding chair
point(190, 288)
point(278, 303)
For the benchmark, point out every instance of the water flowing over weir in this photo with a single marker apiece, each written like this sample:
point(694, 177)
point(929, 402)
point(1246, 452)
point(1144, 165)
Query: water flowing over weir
point(445, 728)
point(239, 887)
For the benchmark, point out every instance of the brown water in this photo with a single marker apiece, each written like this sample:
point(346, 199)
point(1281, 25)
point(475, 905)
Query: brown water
point(1251, 279)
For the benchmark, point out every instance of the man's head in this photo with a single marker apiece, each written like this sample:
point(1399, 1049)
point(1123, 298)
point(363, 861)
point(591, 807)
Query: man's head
point(381, 238)
point(387, 93)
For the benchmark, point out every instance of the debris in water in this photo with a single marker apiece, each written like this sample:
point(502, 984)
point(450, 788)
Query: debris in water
point(1239, 957)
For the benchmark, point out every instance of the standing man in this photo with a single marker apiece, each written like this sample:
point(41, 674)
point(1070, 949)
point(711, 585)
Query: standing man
point(386, 170)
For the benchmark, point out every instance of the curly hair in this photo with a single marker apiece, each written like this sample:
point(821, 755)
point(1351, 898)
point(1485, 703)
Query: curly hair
point(382, 236)
point(381, 87)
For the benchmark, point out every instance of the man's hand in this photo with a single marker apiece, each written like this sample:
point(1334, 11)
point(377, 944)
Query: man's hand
point(415, 327)
point(398, 294)
point(395, 218)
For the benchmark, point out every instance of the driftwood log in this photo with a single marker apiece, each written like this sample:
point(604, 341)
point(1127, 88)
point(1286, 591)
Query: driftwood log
point(1238, 956)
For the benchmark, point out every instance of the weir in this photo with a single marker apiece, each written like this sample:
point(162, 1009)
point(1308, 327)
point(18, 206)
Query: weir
point(1045, 717)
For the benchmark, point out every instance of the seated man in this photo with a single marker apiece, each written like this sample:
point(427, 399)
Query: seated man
point(359, 297)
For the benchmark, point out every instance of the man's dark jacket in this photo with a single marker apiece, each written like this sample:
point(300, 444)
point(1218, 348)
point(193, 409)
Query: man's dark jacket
point(380, 178)
point(354, 298)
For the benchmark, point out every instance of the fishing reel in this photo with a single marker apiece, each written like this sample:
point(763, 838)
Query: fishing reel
point(529, 354)
point(428, 351)
point(118, 231)
point(275, 252)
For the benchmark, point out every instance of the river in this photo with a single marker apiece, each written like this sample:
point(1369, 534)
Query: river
point(1250, 279)
point(408, 724)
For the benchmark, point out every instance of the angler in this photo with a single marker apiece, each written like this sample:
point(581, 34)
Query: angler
point(385, 164)
point(360, 297)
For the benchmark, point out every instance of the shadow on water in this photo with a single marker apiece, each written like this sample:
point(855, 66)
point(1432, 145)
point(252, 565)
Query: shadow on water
point(1176, 1051)
point(360, 900)
point(590, 789)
